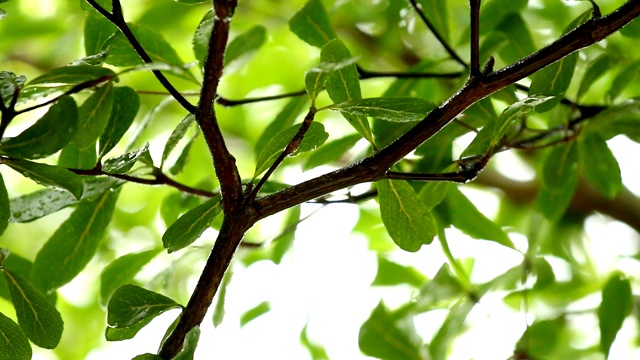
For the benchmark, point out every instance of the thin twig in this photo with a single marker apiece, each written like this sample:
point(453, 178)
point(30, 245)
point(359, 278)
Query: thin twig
point(475, 37)
point(366, 74)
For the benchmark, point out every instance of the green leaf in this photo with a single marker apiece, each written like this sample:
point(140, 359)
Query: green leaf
point(283, 120)
point(38, 318)
point(344, 84)
point(599, 165)
point(390, 109)
point(541, 338)
point(14, 344)
point(189, 345)
point(125, 333)
point(316, 351)
point(122, 270)
point(464, 215)
point(436, 12)
point(93, 117)
point(451, 327)
point(596, 69)
point(176, 135)
point(48, 135)
point(72, 75)
point(190, 2)
point(559, 180)
point(41, 203)
point(182, 159)
point(126, 103)
point(316, 78)
point(132, 304)
point(219, 311)
point(17, 265)
point(74, 243)
point(391, 273)
point(200, 40)
point(73, 158)
point(544, 273)
point(520, 40)
point(245, 43)
point(619, 119)
point(5, 207)
point(330, 151)
point(147, 356)
point(254, 313)
point(386, 337)
point(123, 163)
point(191, 225)
point(97, 30)
point(51, 176)
point(632, 30)
point(311, 24)
point(314, 137)
point(283, 242)
point(9, 85)
point(617, 300)
point(407, 219)
point(443, 287)
point(623, 79)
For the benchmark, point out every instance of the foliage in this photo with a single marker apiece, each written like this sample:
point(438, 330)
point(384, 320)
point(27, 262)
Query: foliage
point(95, 154)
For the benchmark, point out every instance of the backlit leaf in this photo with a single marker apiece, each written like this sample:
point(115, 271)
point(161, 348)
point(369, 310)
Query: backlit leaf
point(93, 117)
point(254, 313)
point(73, 158)
point(123, 163)
point(390, 109)
point(520, 40)
point(200, 41)
point(596, 69)
point(219, 309)
point(72, 75)
point(14, 344)
point(282, 243)
point(283, 120)
point(443, 287)
point(132, 304)
point(189, 345)
point(74, 243)
point(599, 165)
point(559, 180)
point(38, 318)
point(617, 300)
point(5, 208)
point(316, 351)
point(623, 79)
point(391, 273)
point(51, 176)
point(436, 12)
point(311, 24)
point(452, 326)
point(618, 119)
point(191, 225)
point(330, 151)
point(541, 338)
point(407, 219)
point(314, 137)
point(97, 30)
point(122, 270)
point(245, 43)
point(176, 135)
point(48, 135)
point(126, 103)
point(316, 78)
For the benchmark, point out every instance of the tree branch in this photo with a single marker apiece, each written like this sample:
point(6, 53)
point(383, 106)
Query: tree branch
point(475, 37)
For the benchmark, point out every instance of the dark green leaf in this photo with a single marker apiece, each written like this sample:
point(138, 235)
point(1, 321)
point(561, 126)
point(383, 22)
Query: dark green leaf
point(596, 69)
point(632, 29)
point(5, 207)
point(559, 180)
point(74, 243)
point(283, 120)
point(14, 344)
point(283, 242)
point(541, 338)
point(520, 40)
point(126, 103)
point(147, 356)
point(464, 215)
point(131, 304)
point(311, 24)
point(330, 151)
point(181, 161)
point(189, 345)
point(178, 133)
point(17, 265)
point(245, 43)
point(385, 337)
point(391, 273)
point(125, 333)
point(436, 12)
point(38, 318)
point(599, 165)
point(9, 84)
point(623, 79)
point(123, 163)
point(122, 270)
point(451, 327)
point(74, 158)
point(219, 311)
point(544, 273)
point(316, 351)
point(51, 176)
point(254, 313)
point(314, 137)
point(93, 117)
point(121, 53)
point(618, 119)
point(72, 75)
point(97, 30)
point(48, 135)
point(191, 225)
point(407, 219)
point(200, 39)
point(344, 84)
point(616, 305)
point(390, 109)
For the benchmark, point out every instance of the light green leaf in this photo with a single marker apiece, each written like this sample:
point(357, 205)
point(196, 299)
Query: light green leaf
point(190, 2)
point(147, 356)
point(344, 84)
point(178, 133)
point(623, 79)
point(14, 344)
point(599, 165)
point(283, 120)
point(93, 117)
point(9, 84)
point(131, 304)
point(311, 24)
point(123, 163)
point(541, 338)
point(200, 40)
point(122, 270)
point(126, 103)
point(619, 119)
point(182, 159)
point(255, 312)
point(38, 318)
point(189, 345)
point(191, 225)
point(245, 43)
point(219, 311)
point(5, 207)
point(617, 300)
point(48, 135)
point(74, 243)
point(390, 109)
point(451, 327)
point(316, 351)
point(443, 287)
point(559, 180)
point(72, 75)
point(407, 219)
point(596, 69)
point(632, 30)
point(51, 176)
point(125, 333)
point(97, 30)
point(464, 215)
point(282, 243)
point(316, 78)
point(520, 41)
point(386, 337)
point(314, 137)
point(436, 12)
point(391, 273)
point(73, 158)
point(330, 151)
